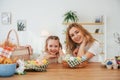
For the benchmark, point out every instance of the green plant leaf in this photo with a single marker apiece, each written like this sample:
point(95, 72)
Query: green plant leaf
point(70, 16)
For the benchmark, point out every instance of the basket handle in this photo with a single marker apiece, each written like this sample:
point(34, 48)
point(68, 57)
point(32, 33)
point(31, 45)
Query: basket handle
point(12, 30)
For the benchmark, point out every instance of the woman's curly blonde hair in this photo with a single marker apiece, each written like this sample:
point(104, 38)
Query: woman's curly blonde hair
point(70, 45)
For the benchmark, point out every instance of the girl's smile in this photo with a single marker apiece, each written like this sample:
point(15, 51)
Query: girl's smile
point(53, 46)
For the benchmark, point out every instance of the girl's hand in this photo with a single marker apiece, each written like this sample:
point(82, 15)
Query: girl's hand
point(49, 56)
point(52, 56)
point(75, 52)
point(61, 52)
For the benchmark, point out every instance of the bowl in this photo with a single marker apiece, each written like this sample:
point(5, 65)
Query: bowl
point(7, 70)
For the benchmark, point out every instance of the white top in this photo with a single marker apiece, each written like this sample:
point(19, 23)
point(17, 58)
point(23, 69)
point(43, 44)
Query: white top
point(95, 48)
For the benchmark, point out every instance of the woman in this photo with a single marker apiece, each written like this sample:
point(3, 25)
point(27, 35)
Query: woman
point(79, 42)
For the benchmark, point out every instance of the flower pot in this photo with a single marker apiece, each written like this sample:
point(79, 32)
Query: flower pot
point(109, 66)
point(115, 66)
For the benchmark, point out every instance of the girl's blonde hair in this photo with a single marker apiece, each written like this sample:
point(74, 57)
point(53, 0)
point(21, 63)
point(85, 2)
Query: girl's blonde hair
point(70, 45)
point(52, 38)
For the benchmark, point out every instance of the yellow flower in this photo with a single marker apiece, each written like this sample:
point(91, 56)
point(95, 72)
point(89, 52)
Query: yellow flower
point(44, 61)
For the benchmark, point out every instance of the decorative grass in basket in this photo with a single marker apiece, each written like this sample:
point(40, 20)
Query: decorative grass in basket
point(74, 62)
point(36, 65)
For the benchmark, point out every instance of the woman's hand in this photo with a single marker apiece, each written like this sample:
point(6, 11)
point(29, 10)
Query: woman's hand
point(75, 52)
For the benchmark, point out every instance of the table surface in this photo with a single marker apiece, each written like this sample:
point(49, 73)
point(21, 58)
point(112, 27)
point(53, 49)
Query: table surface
point(93, 71)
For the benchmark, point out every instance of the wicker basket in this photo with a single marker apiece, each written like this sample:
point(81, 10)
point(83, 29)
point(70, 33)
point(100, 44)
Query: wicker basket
point(36, 68)
point(33, 68)
point(73, 62)
point(21, 52)
point(81, 65)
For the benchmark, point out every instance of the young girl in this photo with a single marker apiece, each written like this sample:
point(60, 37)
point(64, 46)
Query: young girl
point(53, 50)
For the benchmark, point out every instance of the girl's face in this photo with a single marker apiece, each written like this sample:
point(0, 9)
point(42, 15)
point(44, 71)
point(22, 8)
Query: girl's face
point(76, 35)
point(53, 46)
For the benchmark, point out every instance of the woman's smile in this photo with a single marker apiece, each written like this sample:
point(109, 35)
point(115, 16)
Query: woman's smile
point(76, 35)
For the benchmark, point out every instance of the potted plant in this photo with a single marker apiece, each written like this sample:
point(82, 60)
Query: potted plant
point(70, 16)
point(109, 64)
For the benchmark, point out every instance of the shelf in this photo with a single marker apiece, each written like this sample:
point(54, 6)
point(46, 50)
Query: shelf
point(97, 33)
point(91, 23)
point(86, 23)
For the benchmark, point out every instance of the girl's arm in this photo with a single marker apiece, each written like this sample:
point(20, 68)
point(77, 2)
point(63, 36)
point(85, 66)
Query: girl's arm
point(61, 53)
point(61, 56)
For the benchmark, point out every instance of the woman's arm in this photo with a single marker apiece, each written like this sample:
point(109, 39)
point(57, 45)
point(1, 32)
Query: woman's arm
point(93, 50)
point(89, 55)
point(81, 50)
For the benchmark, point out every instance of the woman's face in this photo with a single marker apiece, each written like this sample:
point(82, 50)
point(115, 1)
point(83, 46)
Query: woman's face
point(53, 46)
point(76, 35)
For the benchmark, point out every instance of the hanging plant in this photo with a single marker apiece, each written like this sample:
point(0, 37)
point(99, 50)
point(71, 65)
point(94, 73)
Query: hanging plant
point(70, 16)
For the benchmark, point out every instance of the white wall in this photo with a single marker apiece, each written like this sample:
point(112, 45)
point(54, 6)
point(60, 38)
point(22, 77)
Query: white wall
point(48, 15)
